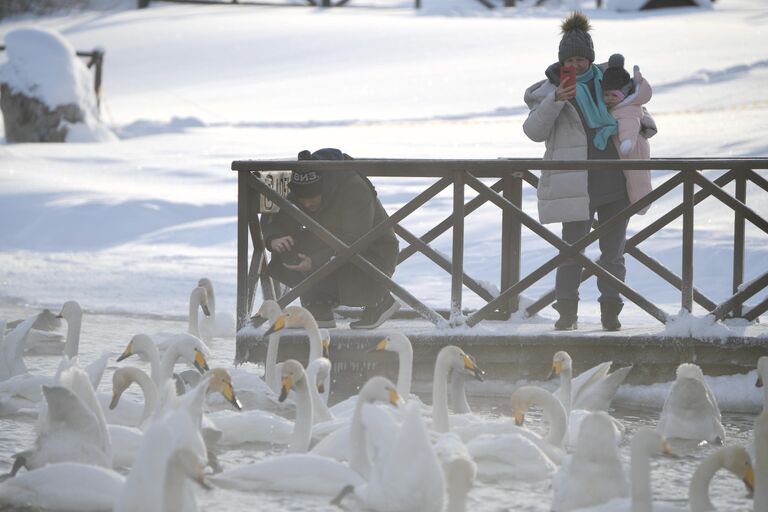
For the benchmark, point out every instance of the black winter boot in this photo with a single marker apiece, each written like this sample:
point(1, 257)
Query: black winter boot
point(568, 315)
point(609, 315)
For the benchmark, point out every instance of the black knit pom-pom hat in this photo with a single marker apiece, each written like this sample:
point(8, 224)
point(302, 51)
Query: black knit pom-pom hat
point(576, 41)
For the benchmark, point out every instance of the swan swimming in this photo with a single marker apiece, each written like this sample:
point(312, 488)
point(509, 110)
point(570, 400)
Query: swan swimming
point(690, 410)
point(216, 324)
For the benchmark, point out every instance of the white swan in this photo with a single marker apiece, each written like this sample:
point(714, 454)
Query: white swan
point(298, 317)
point(646, 443)
point(450, 358)
point(198, 301)
point(255, 426)
point(308, 473)
point(690, 410)
point(172, 451)
point(270, 310)
point(593, 474)
point(399, 343)
point(592, 390)
point(41, 339)
point(407, 476)
point(760, 483)
point(131, 413)
point(216, 324)
point(73, 314)
point(762, 379)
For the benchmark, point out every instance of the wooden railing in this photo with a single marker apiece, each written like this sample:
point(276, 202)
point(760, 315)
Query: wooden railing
point(506, 194)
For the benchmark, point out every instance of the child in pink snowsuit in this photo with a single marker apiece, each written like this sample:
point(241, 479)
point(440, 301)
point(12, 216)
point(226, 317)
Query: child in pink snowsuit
point(625, 98)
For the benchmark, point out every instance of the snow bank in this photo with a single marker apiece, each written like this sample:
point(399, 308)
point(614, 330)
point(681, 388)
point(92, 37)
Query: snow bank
point(685, 324)
point(43, 65)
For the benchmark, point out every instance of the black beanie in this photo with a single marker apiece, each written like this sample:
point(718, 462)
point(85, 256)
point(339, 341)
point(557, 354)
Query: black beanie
point(310, 183)
point(616, 78)
point(576, 41)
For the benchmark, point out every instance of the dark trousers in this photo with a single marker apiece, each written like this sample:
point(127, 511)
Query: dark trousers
point(612, 244)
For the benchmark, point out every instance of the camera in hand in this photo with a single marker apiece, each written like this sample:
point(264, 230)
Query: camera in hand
point(291, 258)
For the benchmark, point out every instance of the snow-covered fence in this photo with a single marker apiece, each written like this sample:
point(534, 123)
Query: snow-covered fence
point(506, 193)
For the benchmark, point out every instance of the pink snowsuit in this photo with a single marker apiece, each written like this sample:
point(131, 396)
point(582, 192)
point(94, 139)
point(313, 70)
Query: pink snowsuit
point(629, 143)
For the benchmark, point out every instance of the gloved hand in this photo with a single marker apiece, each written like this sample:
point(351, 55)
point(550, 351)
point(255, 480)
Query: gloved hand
point(626, 146)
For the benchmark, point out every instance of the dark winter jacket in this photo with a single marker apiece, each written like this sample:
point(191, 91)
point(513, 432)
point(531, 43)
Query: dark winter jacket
point(349, 210)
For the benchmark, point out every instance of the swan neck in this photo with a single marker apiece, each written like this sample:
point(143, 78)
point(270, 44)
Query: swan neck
point(72, 344)
point(319, 408)
point(698, 494)
point(457, 498)
point(273, 345)
point(558, 420)
point(194, 306)
point(640, 472)
point(566, 375)
point(405, 371)
point(151, 398)
point(173, 490)
point(459, 394)
point(302, 428)
point(761, 465)
point(358, 452)
point(171, 355)
point(440, 421)
point(315, 343)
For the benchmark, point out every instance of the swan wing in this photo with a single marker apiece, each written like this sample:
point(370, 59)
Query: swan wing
point(12, 349)
point(296, 472)
point(64, 486)
point(598, 394)
point(510, 456)
point(254, 426)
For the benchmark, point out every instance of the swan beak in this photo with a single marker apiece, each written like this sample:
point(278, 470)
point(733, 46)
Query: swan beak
point(519, 417)
point(469, 364)
point(114, 402)
point(277, 326)
point(321, 388)
point(326, 349)
point(200, 363)
point(394, 397)
point(128, 352)
point(381, 345)
point(557, 367)
point(749, 478)
point(229, 394)
point(206, 311)
point(666, 449)
point(759, 382)
point(287, 385)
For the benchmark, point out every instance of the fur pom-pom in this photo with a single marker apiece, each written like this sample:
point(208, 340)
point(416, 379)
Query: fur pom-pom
point(576, 21)
point(616, 61)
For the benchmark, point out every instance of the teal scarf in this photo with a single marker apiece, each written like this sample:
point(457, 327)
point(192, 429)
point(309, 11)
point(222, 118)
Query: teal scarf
point(597, 116)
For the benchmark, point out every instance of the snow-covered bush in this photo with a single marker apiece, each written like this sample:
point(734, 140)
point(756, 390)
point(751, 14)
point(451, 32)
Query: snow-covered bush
point(43, 66)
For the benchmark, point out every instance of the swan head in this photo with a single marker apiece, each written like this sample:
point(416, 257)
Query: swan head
point(139, 344)
point(395, 342)
point(650, 441)
point(460, 361)
point(762, 372)
point(561, 361)
point(200, 362)
point(379, 389)
point(325, 343)
point(199, 296)
point(292, 317)
point(221, 381)
point(121, 380)
point(292, 374)
point(70, 310)
point(186, 462)
point(207, 284)
point(736, 460)
point(319, 369)
point(522, 398)
point(269, 310)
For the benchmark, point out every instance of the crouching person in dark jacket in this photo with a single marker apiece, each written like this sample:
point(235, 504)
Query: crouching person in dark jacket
point(345, 204)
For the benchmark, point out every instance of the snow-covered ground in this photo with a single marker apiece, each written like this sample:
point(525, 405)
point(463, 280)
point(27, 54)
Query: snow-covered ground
point(130, 225)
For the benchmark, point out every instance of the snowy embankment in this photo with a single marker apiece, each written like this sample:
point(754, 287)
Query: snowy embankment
point(130, 225)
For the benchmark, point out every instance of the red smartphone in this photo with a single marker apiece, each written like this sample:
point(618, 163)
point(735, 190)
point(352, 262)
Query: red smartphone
point(567, 76)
